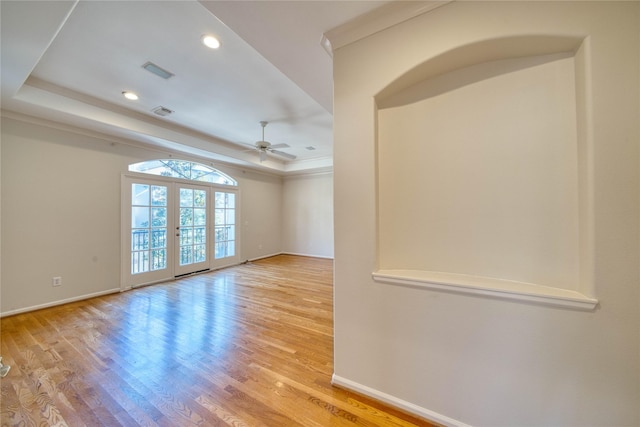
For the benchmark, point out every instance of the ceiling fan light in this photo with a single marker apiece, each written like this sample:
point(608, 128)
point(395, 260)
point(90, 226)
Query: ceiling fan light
point(210, 41)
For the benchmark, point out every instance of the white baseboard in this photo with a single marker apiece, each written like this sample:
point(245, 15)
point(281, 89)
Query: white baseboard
point(394, 401)
point(289, 253)
point(59, 302)
point(265, 256)
point(307, 255)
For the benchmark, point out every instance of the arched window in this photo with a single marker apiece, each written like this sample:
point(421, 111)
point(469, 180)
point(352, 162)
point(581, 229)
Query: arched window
point(183, 169)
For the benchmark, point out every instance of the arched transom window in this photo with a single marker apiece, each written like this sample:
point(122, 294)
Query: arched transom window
point(183, 169)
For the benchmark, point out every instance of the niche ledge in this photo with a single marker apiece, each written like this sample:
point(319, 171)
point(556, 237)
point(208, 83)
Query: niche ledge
point(486, 286)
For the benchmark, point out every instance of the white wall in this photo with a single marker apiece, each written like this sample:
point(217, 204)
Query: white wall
point(261, 214)
point(61, 213)
point(308, 215)
point(460, 358)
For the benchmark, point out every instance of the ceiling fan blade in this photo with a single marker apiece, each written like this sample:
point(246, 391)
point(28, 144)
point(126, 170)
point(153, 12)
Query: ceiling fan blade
point(279, 146)
point(283, 154)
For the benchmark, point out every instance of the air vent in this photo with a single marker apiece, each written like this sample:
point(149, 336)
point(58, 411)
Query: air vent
point(160, 72)
point(162, 111)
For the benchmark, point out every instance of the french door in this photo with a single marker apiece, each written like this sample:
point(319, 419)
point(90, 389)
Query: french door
point(191, 229)
point(172, 229)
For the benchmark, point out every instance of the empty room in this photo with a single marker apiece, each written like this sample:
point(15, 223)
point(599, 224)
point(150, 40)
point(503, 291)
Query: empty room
point(320, 213)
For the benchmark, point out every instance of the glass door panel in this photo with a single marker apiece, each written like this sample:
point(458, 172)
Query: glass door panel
point(148, 228)
point(224, 245)
point(192, 229)
point(145, 252)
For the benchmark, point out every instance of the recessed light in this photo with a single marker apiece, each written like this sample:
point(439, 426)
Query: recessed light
point(210, 41)
point(130, 95)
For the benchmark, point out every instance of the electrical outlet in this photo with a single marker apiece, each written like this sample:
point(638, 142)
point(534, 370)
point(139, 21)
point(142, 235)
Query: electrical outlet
point(56, 281)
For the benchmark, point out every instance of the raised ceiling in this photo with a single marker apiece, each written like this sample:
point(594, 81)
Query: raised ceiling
point(68, 62)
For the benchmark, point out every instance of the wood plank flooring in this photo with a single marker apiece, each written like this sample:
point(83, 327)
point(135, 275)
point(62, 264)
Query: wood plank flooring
point(250, 345)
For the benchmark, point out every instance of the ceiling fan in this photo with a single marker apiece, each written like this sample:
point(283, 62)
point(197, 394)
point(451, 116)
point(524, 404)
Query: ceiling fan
point(265, 147)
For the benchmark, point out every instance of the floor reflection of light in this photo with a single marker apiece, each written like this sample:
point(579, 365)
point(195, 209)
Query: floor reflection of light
point(145, 344)
point(223, 326)
point(166, 326)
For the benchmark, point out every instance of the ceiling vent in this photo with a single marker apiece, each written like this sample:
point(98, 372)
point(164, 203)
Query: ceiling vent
point(310, 148)
point(162, 111)
point(160, 72)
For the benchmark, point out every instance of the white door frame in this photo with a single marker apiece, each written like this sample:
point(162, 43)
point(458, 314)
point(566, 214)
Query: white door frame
point(129, 280)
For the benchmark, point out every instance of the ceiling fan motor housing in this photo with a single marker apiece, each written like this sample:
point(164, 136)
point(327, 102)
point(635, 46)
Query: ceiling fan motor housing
point(263, 145)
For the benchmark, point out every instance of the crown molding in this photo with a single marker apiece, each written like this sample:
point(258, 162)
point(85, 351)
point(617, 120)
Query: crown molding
point(375, 21)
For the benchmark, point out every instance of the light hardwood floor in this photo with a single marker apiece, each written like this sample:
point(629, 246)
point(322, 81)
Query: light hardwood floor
point(250, 345)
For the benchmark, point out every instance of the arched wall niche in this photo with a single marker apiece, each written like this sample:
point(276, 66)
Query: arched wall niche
point(477, 53)
point(483, 172)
